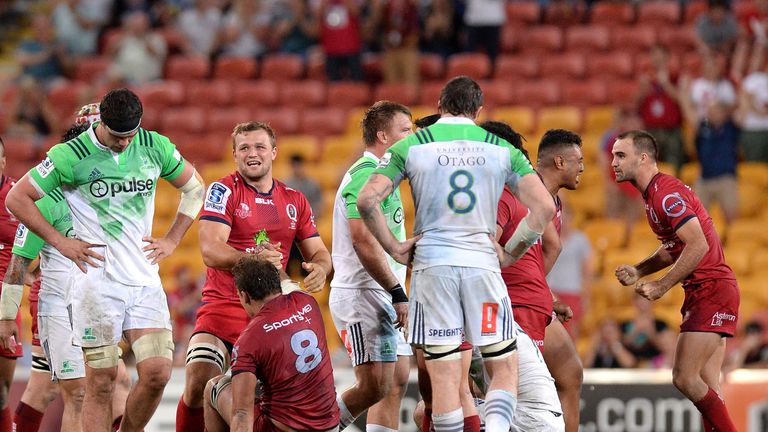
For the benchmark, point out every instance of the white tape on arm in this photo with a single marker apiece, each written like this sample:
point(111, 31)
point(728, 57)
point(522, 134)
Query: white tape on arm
point(10, 299)
point(192, 194)
point(523, 235)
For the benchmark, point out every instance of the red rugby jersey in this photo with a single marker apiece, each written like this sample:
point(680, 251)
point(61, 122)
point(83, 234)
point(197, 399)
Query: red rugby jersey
point(8, 225)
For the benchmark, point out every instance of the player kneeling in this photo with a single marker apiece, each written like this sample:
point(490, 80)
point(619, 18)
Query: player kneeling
point(294, 368)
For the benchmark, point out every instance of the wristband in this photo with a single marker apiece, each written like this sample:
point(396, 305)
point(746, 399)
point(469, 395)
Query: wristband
point(523, 234)
point(10, 300)
point(398, 294)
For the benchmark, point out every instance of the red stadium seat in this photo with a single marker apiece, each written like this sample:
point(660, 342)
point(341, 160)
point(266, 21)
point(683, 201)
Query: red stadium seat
point(403, 93)
point(592, 38)
point(282, 67)
point(19, 150)
point(694, 9)
point(497, 93)
point(372, 68)
point(614, 64)
point(431, 66)
point(637, 39)
point(284, 120)
point(183, 68)
point(566, 65)
point(190, 119)
point(678, 39)
point(64, 98)
point(691, 63)
point(162, 94)
point(537, 93)
point(622, 92)
point(316, 67)
point(474, 65)
point(430, 93)
point(201, 149)
point(256, 94)
point(509, 38)
point(564, 13)
point(659, 12)
point(584, 93)
point(302, 94)
point(152, 118)
point(323, 121)
point(542, 39)
point(523, 13)
point(89, 69)
point(519, 66)
point(612, 14)
point(235, 68)
point(221, 121)
point(349, 94)
point(209, 93)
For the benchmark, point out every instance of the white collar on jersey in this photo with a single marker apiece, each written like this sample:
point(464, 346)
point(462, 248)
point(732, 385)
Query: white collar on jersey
point(456, 120)
point(95, 139)
point(371, 155)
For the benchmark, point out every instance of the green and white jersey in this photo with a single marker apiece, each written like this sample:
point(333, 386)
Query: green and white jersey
point(111, 195)
point(457, 172)
point(56, 268)
point(348, 271)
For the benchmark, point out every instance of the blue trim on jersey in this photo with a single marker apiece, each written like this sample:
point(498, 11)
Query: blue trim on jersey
point(682, 222)
point(215, 219)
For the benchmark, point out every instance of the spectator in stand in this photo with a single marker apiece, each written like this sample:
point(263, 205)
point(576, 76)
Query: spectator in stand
point(755, 21)
point(245, 29)
point(711, 87)
point(650, 340)
point(31, 115)
point(717, 30)
point(752, 113)
point(341, 37)
point(440, 35)
point(305, 184)
point(717, 142)
point(752, 352)
point(40, 56)
point(571, 277)
point(397, 21)
point(606, 349)
point(295, 30)
point(483, 20)
point(139, 54)
point(200, 26)
point(78, 22)
point(659, 107)
point(183, 302)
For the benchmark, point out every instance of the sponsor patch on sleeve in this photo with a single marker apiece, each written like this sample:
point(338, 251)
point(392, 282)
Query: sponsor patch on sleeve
point(21, 235)
point(45, 167)
point(673, 205)
point(216, 200)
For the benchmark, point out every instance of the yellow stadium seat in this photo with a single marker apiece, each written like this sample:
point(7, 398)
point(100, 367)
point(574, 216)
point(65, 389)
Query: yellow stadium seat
point(307, 146)
point(606, 234)
point(343, 149)
point(215, 171)
point(521, 119)
point(588, 203)
point(420, 111)
point(752, 199)
point(590, 147)
point(615, 258)
point(746, 231)
point(755, 173)
point(328, 175)
point(690, 172)
point(753, 290)
point(598, 119)
point(560, 117)
point(739, 259)
point(759, 261)
point(354, 116)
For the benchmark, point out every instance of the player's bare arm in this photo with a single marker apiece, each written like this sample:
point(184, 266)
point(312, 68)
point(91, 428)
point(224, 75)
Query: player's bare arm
point(192, 190)
point(317, 261)
point(21, 202)
point(551, 246)
point(694, 250)
point(630, 274)
point(534, 195)
point(243, 395)
point(10, 299)
point(374, 261)
point(218, 254)
point(375, 190)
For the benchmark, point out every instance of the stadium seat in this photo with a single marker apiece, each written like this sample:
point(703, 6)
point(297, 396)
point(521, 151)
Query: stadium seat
point(510, 38)
point(584, 93)
point(372, 68)
point(598, 119)
point(739, 259)
point(641, 237)
point(64, 98)
point(222, 120)
point(199, 148)
point(746, 231)
point(588, 39)
point(90, 69)
point(612, 14)
point(691, 63)
point(162, 94)
point(511, 67)
point(474, 65)
point(560, 117)
point(323, 121)
point(282, 67)
point(302, 94)
point(659, 13)
point(564, 14)
point(497, 93)
point(341, 149)
point(256, 94)
point(616, 64)
point(690, 172)
point(209, 93)
point(694, 9)
point(755, 173)
point(188, 120)
point(183, 68)
point(565, 66)
point(328, 176)
point(403, 93)
point(521, 118)
point(523, 13)
point(354, 117)
point(678, 39)
point(431, 66)
point(590, 148)
point(19, 150)
point(622, 91)
point(235, 68)
point(307, 146)
point(752, 199)
point(316, 67)
point(348, 94)
point(430, 93)
point(637, 39)
point(537, 93)
point(285, 120)
point(542, 39)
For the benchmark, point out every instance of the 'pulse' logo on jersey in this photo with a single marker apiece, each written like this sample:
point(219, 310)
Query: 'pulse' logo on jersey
point(101, 188)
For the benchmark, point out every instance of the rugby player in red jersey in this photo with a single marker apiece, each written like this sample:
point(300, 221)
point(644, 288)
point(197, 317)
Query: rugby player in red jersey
point(691, 249)
point(293, 369)
point(247, 212)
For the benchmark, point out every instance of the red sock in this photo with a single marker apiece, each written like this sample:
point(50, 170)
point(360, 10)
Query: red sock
point(189, 419)
point(426, 422)
point(472, 424)
point(116, 423)
point(27, 419)
point(6, 419)
point(714, 411)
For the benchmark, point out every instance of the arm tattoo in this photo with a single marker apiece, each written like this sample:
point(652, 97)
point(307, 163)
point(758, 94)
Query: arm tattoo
point(17, 269)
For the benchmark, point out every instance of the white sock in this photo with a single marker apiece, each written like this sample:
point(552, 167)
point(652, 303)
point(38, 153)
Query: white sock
point(378, 428)
point(452, 421)
point(345, 417)
point(499, 410)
